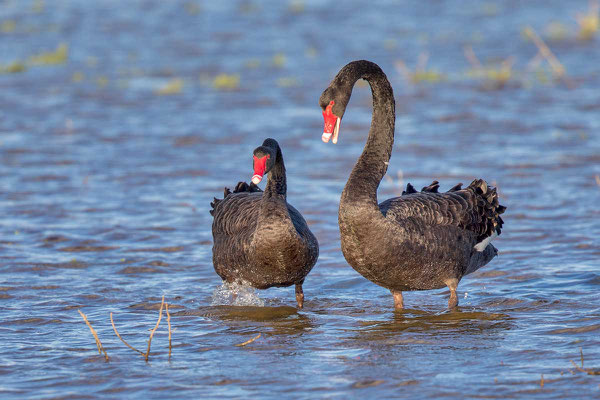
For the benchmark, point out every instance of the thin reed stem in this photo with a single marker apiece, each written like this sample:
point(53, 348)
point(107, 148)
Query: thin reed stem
point(155, 328)
point(119, 336)
point(98, 342)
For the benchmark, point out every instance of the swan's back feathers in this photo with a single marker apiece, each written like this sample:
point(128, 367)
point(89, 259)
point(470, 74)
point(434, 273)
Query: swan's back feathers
point(474, 208)
point(241, 187)
point(244, 187)
point(433, 188)
point(409, 189)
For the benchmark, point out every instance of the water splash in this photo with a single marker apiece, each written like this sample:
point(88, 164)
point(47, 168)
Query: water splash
point(236, 294)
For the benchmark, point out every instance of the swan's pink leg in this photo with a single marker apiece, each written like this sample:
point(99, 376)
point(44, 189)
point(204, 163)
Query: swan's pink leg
point(398, 300)
point(452, 285)
point(299, 295)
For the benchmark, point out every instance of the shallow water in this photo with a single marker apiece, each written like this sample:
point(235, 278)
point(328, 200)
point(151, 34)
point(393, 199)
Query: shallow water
point(107, 184)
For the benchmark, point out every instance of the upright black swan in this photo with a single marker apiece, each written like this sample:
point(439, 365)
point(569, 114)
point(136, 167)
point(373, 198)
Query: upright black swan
point(258, 237)
point(417, 241)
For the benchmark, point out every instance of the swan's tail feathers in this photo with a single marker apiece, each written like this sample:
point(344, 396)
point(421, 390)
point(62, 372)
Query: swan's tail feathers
point(409, 189)
point(490, 209)
point(244, 187)
point(456, 188)
point(216, 201)
point(433, 188)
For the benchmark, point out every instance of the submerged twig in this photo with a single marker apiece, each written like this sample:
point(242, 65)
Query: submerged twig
point(169, 323)
point(155, 328)
point(544, 50)
point(472, 58)
point(248, 341)
point(98, 342)
point(119, 336)
point(586, 370)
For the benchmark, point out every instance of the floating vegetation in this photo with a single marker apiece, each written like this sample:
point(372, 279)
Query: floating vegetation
point(226, 81)
point(494, 76)
point(390, 44)
point(8, 26)
point(279, 60)
point(77, 77)
point(58, 56)
point(296, 6)
point(38, 6)
point(287, 82)
point(311, 52)
point(174, 86)
point(420, 74)
point(589, 22)
point(102, 81)
point(13, 68)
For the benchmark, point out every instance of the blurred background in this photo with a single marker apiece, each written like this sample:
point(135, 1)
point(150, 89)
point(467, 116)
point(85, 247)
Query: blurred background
point(120, 120)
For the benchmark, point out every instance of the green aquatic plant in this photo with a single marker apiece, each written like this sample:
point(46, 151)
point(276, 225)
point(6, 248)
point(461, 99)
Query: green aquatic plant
point(494, 75)
point(226, 81)
point(8, 26)
point(102, 81)
point(38, 6)
point(296, 6)
point(58, 56)
point(77, 77)
point(279, 60)
point(589, 22)
point(311, 52)
point(174, 86)
point(13, 68)
point(420, 74)
point(287, 82)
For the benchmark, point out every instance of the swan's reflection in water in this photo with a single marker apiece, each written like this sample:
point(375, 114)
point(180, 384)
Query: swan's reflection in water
point(433, 324)
point(278, 320)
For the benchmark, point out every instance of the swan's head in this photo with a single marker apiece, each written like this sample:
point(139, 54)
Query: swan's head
point(333, 103)
point(264, 159)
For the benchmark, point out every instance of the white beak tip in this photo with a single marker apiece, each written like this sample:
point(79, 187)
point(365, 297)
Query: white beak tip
point(326, 136)
point(256, 179)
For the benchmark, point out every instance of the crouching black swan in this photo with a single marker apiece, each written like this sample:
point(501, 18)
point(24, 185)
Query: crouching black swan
point(258, 237)
point(420, 240)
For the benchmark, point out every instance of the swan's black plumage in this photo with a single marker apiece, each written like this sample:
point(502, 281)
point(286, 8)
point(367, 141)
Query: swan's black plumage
point(420, 240)
point(258, 237)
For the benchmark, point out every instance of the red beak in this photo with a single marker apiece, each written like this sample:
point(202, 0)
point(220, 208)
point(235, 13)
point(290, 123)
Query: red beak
point(332, 124)
point(260, 164)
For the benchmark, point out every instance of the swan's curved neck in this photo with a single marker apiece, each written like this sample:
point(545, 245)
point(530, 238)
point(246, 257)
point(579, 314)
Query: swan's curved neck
point(273, 207)
point(276, 183)
point(373, 162)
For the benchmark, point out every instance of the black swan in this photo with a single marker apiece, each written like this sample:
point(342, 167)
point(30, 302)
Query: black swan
point(420, 240)
point(258, 237)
